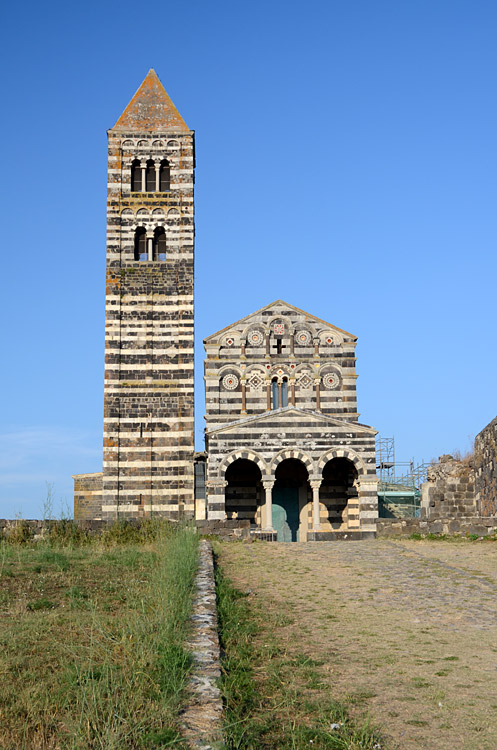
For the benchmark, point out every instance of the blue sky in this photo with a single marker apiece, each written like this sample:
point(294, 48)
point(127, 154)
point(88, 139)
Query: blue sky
point(346, 163)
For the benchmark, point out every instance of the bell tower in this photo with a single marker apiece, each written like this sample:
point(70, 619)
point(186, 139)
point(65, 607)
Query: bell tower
point(148, 393)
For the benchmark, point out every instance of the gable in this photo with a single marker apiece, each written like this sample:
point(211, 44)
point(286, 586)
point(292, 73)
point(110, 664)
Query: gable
point(291, 415)
point(276, 309)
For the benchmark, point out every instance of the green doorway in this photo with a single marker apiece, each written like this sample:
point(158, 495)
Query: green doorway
point(286, 513)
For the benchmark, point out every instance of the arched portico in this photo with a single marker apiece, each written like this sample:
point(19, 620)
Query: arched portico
point(287, 500)
point(243, 492)
point(339, 495)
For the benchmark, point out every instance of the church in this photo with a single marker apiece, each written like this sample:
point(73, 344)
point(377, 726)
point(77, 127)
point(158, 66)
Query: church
point(285, 456)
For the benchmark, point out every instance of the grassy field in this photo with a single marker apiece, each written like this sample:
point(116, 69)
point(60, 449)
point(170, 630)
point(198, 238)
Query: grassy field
point(322, 637)
point(92, 639)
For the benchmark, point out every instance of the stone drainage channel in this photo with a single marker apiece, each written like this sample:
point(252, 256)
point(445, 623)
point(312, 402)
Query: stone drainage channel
point(202, 718)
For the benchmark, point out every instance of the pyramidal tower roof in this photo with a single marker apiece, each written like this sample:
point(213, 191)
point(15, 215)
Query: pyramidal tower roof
point(151, 109)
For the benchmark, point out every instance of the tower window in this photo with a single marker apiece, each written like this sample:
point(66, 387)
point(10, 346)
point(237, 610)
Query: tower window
point(141, 244)
point(136, 177)
point(159, 244)
point(150, 177)
point(165, 177)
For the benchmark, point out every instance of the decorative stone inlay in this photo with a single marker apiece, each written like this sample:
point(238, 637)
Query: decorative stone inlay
point(202, 718)
point(229, 341)
point(303, 338)
point(256, 381)
point(305, 381)
point(255, 338)
point(331, 380)
point(230, 382)
point(278, 329)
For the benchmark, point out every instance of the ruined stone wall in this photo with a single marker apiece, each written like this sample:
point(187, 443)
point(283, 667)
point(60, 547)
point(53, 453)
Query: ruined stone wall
point(88, 496)
point(149, 399)
point(450, 490)
point(486, 469)
point(473, 525)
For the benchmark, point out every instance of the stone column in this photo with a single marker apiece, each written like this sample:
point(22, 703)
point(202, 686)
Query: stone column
point(144, 177)
point(268, 395)
point(150, 247)
point(280, 387)
point(318, 398)
point(316, 347)
point(268, 489)
point(292, 391)
point(315, 484)
point(244, 395)
point(157, 178)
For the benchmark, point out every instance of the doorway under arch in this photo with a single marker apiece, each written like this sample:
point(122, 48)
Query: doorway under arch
point(243, 491)
point(338, 486)
point(289, 497)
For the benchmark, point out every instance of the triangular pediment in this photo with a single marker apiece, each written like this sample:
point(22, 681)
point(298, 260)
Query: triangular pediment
point(288, 415)
point(151, 110)
point(276, 308)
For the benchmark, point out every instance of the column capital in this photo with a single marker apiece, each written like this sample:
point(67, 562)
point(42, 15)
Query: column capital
point(315, 483)
point(268, 484)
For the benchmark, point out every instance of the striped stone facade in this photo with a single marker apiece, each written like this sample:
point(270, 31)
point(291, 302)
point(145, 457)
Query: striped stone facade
point(148, 394)
point(281, 387)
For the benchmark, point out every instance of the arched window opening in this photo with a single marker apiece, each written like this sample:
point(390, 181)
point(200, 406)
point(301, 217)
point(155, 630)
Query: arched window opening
point(141, 244)
point(165, 177)
point(275, 393)
point(136, 177)
point(150, 177)
point(284, 392)
point(159, 244)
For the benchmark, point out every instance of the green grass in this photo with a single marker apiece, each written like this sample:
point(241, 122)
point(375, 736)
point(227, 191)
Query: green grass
point(92, 640)
point(274, 699)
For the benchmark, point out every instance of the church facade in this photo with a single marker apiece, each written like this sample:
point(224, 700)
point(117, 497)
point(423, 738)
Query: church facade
point(285, 453)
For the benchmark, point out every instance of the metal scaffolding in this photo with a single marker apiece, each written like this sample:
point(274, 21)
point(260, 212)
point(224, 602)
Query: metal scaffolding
point(399, 482)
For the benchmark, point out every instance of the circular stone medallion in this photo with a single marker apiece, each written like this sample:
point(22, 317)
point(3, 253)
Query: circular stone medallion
point(331, 380)
point(303, 338)
point(255, 338)
point(230, 382)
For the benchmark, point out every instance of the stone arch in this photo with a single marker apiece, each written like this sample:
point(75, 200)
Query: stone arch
point(245, 453)
point(292, 453)
point(342, 453)
point(324, 334)
point(228, 368)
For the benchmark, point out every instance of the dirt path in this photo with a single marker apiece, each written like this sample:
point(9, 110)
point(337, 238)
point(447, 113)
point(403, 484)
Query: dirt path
point(408, 630)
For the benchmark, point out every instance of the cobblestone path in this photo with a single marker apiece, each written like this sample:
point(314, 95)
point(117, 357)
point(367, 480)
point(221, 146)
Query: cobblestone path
point(407, 630)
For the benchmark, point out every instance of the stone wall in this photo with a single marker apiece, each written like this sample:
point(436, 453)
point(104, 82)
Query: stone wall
point(486, 469)
point(455, 526)
point(450, 490)
point(88, 496)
